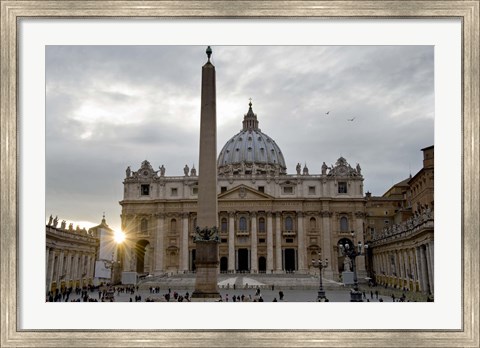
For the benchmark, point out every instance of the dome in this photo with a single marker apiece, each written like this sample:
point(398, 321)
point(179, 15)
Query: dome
point(251, 151)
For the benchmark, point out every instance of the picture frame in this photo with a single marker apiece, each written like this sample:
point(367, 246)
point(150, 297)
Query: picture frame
point(13, 11)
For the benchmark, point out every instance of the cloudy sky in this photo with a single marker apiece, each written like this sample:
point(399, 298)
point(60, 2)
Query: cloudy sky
point(109, 107)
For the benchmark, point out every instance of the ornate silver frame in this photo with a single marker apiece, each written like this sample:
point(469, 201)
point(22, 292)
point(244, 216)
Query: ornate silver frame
point(467, 11)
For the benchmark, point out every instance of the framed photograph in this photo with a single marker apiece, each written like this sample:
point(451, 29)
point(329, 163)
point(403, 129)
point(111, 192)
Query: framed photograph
point(38, 39)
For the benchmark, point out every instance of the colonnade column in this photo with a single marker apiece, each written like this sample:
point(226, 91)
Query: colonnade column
point(430, 263)
point(269, 242)
point(419, 269)
point(159, 234)
point(301, 243)
point(253, 244)
point(278, 243)
point(231, 241)
point(184, 251)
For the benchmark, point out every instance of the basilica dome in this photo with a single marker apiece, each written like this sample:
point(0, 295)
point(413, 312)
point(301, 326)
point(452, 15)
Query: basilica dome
point(251, 151)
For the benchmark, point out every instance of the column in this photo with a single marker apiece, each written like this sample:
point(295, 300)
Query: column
point(301, 243)
point(184, 247)
point(278, 243)
point(327, 243)
point(159, 234)
point(253, 243)
point(51, 258)
point(269, 242)
point(231, 242)
point(430, 264)
point(419, 269)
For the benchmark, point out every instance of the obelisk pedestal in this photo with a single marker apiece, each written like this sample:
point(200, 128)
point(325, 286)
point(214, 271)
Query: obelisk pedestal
point(206, 237)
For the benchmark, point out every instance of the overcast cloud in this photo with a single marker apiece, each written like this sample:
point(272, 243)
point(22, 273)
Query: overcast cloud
point(109, 107)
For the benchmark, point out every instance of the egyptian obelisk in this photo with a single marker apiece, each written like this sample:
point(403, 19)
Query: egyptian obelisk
point(206, 238)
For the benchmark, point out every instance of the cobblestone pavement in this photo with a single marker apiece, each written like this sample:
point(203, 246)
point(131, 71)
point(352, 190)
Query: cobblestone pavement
point(337, 295)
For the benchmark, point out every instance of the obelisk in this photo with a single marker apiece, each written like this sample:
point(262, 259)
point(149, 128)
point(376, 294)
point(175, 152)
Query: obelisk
point(206, 237)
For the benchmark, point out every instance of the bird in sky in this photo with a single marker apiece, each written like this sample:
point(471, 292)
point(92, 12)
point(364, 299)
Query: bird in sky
point(350, 119)
point(327, 112)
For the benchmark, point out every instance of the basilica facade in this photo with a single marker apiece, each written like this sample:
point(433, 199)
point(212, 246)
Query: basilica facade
point(269, 221)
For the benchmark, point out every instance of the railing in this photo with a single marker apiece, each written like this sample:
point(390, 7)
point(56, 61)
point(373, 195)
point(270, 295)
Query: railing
point(289, 233)
point(405, 229)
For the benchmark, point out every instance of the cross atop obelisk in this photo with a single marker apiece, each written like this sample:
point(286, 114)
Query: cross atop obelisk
point(206, 237)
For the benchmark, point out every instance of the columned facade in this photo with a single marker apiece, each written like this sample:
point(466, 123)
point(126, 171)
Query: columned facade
point(269, 221)
point(69, 257)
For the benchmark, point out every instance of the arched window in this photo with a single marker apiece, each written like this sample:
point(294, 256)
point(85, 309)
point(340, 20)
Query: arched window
point(224, 225)
point(261, 225)
point(173, 225)
point(313, 223)
point(343, 224)
point(144, 226)
point(288, 224)
point(243, 224)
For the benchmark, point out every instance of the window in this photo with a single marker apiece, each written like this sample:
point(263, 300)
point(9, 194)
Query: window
point(145, 190)
point(174, 191)
point(288, 190)
point(173, 225)
point(223, 189)
point(311, 190)
point(195, 190)
point(224, 240)
point(343, 224)
point(243, 224)
point(261, 240)
point(288, 224)
point(223, 227)
point(144, 226)
point(289, 240)
point(261, 225)
point(313, 223)
point(342, 187)
point(261, 188)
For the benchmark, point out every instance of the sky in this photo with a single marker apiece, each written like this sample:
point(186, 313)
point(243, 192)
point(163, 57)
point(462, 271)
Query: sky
point(109, 107)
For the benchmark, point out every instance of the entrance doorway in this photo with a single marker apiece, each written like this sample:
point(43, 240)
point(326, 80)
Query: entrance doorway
point(262, 264)
point(192, 265)
point(290, 260)
point(140, 250)
point(223, 264)
point(243, 260)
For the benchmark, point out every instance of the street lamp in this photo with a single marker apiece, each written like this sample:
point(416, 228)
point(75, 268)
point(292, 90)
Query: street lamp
point(352, 253)
point(320, 264)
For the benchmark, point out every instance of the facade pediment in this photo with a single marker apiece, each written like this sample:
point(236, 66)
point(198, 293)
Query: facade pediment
point(243, 192)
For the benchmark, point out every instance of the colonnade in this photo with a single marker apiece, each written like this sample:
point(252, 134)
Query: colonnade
point(409, 267)
point(74, 268)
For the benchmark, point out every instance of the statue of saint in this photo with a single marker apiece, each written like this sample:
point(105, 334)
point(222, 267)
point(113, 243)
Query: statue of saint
point(63, 224)
point(254, 169)
point(128, 172)
point(299, 168)
point(185, 170)
point(162, 170)
point(55, 221)
point(193, 172)
point(359, 170)
point(324, 168)
point(50, 219)
point(70, 227)
point(346, 264)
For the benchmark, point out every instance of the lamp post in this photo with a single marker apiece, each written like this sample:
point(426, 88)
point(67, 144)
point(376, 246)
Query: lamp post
point(352, 253)
point(320, 264)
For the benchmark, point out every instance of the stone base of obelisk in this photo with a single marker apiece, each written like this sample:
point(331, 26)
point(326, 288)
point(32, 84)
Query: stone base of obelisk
point(206, 279)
